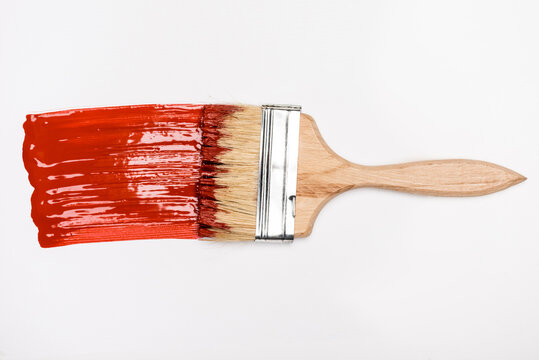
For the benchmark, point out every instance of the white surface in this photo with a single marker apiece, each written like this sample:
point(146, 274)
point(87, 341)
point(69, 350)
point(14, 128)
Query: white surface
point(384, 275)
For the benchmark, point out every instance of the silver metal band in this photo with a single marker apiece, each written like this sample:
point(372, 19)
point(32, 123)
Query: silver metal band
point(277, 174)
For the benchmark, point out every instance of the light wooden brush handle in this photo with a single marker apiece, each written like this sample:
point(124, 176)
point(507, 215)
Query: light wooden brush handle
point(322, 174)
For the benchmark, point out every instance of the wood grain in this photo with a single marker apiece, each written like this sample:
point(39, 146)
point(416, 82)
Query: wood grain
point(322, 174)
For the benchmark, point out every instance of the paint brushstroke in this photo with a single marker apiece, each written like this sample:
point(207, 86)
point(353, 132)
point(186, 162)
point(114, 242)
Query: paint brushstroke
point(122, 173)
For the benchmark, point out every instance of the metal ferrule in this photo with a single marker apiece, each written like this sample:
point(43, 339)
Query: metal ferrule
point(277, 174)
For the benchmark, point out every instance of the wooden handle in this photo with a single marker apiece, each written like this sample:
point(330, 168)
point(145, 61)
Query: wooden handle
point(437, 177)
point(322, 175)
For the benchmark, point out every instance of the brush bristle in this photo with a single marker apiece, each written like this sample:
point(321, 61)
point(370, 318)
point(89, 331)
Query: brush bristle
point(143, 172)
point(228, 186)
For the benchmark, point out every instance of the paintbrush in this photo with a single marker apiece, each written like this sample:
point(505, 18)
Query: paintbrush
point(221, 172)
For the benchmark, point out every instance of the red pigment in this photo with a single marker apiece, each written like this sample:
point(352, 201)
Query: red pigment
point(124, 173)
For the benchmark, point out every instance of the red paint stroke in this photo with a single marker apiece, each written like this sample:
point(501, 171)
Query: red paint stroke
point(124, 173)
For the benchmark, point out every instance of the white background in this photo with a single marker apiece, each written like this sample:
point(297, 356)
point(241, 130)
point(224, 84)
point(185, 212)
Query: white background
point(384, 275)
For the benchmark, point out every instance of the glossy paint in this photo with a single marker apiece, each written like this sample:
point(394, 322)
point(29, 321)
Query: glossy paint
point(123, 173)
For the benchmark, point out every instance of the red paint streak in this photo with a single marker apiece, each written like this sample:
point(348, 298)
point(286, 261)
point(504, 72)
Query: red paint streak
point(123, 173)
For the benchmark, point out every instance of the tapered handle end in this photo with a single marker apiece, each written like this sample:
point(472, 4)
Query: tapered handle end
point(457, 177)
